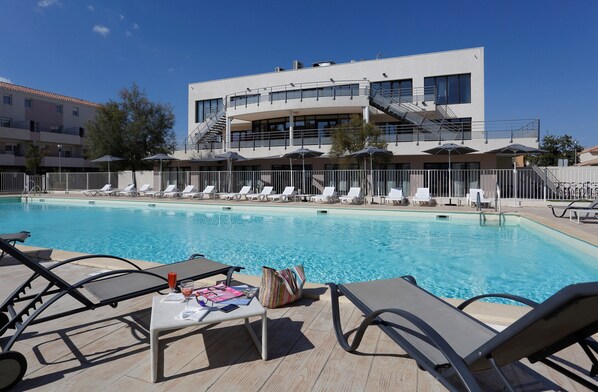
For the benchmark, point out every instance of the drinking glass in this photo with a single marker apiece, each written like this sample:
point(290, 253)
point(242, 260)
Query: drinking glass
point(187, 287)
point(172, 281)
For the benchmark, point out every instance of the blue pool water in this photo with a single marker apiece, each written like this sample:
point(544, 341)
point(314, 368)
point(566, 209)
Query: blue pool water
point(454, 258)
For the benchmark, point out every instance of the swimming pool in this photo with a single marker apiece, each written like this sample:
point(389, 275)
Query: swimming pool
point(452, 257)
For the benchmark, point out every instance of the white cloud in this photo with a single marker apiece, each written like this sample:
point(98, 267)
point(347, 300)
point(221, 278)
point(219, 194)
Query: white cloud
point(122, 17)
point(5, 80)
point(48, 3)
point(101, 29)
point(135, 26)
point(91, 8)
point(128, 33)
point(171, 69)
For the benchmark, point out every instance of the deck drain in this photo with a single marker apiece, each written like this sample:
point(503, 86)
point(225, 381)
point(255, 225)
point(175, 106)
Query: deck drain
point(226, 208)
point(322, 212)
point(442, 216)
point(151, 205)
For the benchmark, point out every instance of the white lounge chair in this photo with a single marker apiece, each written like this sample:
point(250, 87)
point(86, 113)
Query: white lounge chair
point(328, 196)
point(169, 189)
point(263, 195)
point(115, 192)
point(145, 188)
point(208, 192)
point(286, 194)
point(189, 192)
point(422, 196)
point(177, 193)
point(353, 197)
point(94, 192)
point(395, 196)
point(129, 190)
point(472, 198)
point(236, 196)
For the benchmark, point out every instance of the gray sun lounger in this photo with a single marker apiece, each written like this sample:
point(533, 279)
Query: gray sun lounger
point(13, 238)
point(25, 304)
point(593, 206)
point(453, 346)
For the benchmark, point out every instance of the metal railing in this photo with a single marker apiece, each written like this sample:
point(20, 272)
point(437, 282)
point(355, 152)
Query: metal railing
point(524, 184)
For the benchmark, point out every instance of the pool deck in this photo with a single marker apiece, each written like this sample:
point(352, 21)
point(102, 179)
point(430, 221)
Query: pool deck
point(109, 348)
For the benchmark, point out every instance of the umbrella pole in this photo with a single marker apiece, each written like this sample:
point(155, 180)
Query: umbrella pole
point(372, 177)
point(291, 170)
point(109, 180)
point(303, 190)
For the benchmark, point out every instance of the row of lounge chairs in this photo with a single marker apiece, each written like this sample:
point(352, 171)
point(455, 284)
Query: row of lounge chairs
point(450, 344)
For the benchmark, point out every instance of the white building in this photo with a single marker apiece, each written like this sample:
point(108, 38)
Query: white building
point(417, 101)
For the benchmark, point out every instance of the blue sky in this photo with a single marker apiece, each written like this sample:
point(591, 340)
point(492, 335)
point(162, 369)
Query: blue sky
point(541, 57)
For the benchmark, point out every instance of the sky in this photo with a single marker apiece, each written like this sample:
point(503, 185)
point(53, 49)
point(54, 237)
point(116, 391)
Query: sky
point(541, 57)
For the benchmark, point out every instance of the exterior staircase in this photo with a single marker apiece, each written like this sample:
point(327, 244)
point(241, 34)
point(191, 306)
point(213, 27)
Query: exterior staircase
point(207, 131)
point(404, 110)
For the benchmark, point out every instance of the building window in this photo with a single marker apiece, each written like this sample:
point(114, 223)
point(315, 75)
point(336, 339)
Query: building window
point(7, 99)
point(76, 111)
point(207, 109)
point(450, 89)
point(4, 122)
point(28, 102)
point(59, 108)
point(395, 88)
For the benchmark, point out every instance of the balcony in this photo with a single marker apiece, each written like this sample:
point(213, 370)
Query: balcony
point(21, 130)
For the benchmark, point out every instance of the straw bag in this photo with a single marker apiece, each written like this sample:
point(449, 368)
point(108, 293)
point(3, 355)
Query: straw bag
point(281, 287)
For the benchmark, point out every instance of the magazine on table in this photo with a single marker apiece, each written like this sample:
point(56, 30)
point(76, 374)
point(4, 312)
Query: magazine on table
point(248, 293)
point(218, 293)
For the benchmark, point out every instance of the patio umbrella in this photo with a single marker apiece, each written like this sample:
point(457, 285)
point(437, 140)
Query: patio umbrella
point(230, 156)
point(513, 150)
point(302, 153)
point(371, 151)
point(448, 149)
point(108, 159)
point(160, 157)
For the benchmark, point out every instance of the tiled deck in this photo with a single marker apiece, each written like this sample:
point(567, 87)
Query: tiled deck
point(109, 348)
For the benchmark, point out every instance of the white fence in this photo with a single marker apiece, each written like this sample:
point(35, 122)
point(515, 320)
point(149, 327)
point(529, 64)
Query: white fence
point(533, 183)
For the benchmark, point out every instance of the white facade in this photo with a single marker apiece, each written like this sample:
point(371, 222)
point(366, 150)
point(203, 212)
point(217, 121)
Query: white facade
point(417, 101)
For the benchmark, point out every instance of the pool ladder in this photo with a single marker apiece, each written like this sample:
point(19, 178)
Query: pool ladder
point(27, 191)
point(497, 208)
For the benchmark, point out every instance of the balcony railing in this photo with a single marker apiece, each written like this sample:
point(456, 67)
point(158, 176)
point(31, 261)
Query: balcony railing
point(36, 128)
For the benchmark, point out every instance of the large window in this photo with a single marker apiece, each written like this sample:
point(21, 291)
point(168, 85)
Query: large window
point(394, 88)
point(7, 99)
point(344, 90)
point(450, 89)
point(207, 108)
point(28, 103)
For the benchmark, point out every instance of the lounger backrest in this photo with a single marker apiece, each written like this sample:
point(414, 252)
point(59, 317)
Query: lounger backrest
point(561, 320)
point(473, 194)
point(41, 271)
point(106, 187)
point(189, 189)
point(422, 193)
point(395, 193)
point(245, 190)
point(289, 190)
point(267, 190)
point(129, 187)
point(354, 192)
point(170, 188)
point(209, 189)
point(594, 204)
point(145, 188)
point(328, 191)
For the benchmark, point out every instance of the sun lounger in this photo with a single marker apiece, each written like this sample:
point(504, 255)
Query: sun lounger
point(209, 192)
point(422, 196)
point(44, 287)
point(236, 196)
point(285, 196)
point(592, 206)
point(453, 346)
point(395, 196)
point(353, 197)
point(263, 195)
point(115, 192)
point(189, 191)
point(472, 198)
point(13, 238)
point(145, 188)
point(95, 192)
point(169, 189)
point(126, 191)
point(328, 196)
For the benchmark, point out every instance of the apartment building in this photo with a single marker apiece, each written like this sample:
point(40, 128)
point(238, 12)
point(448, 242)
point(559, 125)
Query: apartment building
point(417, 101)
point(56, 123)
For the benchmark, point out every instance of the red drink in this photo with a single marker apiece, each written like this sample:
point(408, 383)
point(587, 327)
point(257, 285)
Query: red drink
point(172, 281)
point(187, 291)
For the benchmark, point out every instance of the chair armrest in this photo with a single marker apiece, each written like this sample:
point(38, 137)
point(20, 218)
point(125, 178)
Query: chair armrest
point(511, 297)
point(78, 258)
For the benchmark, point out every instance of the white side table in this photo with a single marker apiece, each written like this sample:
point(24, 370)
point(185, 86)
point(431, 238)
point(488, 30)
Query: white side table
point(164, 318)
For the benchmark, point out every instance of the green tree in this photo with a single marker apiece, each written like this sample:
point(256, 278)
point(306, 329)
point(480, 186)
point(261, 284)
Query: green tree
point(557, 147)
point(131, 128)
point(33, 158)
point(354, 136)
